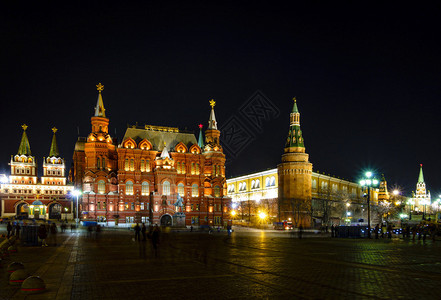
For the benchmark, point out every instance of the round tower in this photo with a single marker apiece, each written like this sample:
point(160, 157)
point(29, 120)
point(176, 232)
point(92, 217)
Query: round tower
point(294, 190)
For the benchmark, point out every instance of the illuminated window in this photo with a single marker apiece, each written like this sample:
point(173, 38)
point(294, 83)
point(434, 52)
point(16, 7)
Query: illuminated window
point(147, 165)
point(129, 188)
point(314, 184)
point(194, 190)
point(181, 190)
point(192, 169)
point(98, 205)
point(145, 188)
point(142, 165)
point(132, 165)
point(217, 191)
point(166, 188)
point(98, 163)
point(142, 205)
point(197, 169)
point(101, 187)
point(126, 164)
point(273, 181)
point(267, 182)
point(103, 163)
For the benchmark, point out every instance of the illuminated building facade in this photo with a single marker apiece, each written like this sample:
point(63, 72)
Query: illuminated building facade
point(421, 202)
point(156, 175)
point(24, 195)
point(294, 192)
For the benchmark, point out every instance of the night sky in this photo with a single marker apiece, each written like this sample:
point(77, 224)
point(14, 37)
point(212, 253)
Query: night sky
point(366, 76)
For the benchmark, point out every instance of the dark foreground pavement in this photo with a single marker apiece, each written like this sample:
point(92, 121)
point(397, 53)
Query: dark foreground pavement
point(250, 264)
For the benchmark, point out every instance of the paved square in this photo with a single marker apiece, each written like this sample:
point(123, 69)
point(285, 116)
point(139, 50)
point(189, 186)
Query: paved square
point(249, 264)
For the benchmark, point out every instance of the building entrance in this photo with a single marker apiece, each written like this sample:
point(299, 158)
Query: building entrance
point(22, 211)
point(55, 211)
point(166, 220)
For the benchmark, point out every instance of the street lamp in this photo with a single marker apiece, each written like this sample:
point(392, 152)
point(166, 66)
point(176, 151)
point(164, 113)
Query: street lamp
point(410, 203)
point(424, 202)
point(76, 193)
point(368, 182)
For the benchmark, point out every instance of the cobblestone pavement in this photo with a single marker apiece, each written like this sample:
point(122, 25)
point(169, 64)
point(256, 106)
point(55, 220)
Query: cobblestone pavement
point(249, 264)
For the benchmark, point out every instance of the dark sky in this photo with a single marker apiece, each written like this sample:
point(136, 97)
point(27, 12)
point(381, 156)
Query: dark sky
point(366, 75)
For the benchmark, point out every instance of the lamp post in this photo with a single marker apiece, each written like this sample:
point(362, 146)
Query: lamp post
point(368, 182)
point(76, 193)
point(424, 202)
point(410, 203)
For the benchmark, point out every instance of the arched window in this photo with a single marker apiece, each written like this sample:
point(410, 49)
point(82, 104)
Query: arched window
point(192, 168)
point(273, 181)
point(314, 184)
point(181, 190)
point(129, 188)
point(145, 188)
point(178, 167)
point(101, 187)
point(253, 184)
point(183, 168)
point(267, 182)
point(194, 190)
point(98, 165)
point(103, 165)
point(166, 188)
point(216, 191)
point(197, 169)
point(126, 164)
point(147, 165)
point(142, 166)
point(257, 184)
point(132, 165)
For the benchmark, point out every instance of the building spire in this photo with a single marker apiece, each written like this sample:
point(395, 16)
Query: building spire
point(201, 138)
point(212, 124)
point(25, 148)
point(54, 146)
point(99, 108)
point(421, 177)
point(294, 142)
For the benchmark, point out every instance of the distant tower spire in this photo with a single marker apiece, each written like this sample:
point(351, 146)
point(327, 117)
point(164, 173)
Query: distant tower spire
point(212, 124)
point(421, 176)
point(201, 138)
point(99, 108)
point(25, 148)
point(54, 146)
point(294, 142)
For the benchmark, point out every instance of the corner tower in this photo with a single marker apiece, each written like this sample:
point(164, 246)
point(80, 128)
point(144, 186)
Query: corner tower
point(294, 190)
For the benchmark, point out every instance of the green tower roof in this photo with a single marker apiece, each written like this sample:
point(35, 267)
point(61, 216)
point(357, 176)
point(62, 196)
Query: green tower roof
point(25, 148)
point(295, 139)
point(54, 147)
point(421, 177)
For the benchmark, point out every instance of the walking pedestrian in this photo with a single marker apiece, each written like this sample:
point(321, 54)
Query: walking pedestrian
point(377, 228)
point(300, 231)
point(9, 229)
point(42, 235)
point(137, 231)
point(17, 230)
point(389, 231)
point(332, 230)
point(143, 231)
point(155, 239)
point(53, 229)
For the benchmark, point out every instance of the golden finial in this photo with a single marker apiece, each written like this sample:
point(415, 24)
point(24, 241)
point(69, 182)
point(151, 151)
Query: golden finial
point(54, 129)
point(24, 126)
point(212, 103)
point(295, 100)
point(165, 144)
point(99, 87)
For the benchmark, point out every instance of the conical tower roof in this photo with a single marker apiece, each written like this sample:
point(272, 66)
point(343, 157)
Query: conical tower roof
point(25, 148)
point(99, 108)
point(294, 142)
point(54, 146)
point(201, 138)
point(212, 124)
point(421, 176)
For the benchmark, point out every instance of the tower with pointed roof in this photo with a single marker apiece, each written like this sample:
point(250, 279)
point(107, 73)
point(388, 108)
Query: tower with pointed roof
point(294, 174)
point(383, 194)
point(422, 196)
point(23, 163)
point(53, 165)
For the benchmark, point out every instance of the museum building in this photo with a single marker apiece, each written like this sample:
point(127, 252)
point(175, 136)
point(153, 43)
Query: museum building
point(156, 175)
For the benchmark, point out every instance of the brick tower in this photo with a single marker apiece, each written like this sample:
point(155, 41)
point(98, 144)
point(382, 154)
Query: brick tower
point(294, 191)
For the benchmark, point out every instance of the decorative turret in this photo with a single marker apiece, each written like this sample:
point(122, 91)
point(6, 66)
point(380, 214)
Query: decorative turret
point(23, 162)
point(421, 176)
point(54, 147)
point(201, 137)
point(99, 108)
point(422, 196)
point(294, 142)
point(212, 134)
point(25, 148)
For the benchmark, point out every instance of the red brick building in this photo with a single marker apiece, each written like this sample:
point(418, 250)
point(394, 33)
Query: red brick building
point(157, 174)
